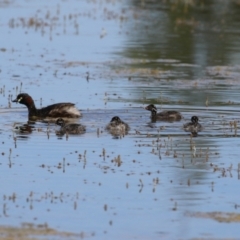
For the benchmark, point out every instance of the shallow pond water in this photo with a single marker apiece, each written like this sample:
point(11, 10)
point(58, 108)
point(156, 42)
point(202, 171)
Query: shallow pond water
point(112, 58)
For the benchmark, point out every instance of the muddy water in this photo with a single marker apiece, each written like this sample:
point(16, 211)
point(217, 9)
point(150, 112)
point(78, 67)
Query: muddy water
point(113, 58)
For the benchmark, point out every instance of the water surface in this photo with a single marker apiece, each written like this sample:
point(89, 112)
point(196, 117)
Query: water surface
point(113, 58)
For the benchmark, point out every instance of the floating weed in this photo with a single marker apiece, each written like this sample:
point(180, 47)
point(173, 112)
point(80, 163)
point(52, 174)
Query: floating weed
point(175, 154)
point(88, 77)
point(2, 90)
point(206, 103)
point(9, 158)
point(167, 153)
point(84, 159)
point(231, 125)
point(9, 100)
point(155, 183)
point(137, 132)
point(117, 160)
point(194, 151)
point(175, 207)
point(224, 171)
point(238, 170)
point(230, 170)
point(212, 186)
point(5, 210)
point(30, 200)
point(170, 142)
point(48, 131)
point(141, 185)
point(235, 127)
point(104, 153)
point(75, 205)
point(63, 165)
point(105, 207)
point(15, 142)
point(159, 146)
point(207, 155)
point(59, 165)
point(183, 161)
point(191, 142)
point(67, 136)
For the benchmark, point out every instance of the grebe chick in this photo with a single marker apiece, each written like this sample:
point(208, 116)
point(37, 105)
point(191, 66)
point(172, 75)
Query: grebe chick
point(194, 127)
point(70, 128)
point(117, 127)
point(164, 115)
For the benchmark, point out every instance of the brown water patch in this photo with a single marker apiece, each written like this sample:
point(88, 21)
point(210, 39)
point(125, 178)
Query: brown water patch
point(217, 216)
point(30, 231)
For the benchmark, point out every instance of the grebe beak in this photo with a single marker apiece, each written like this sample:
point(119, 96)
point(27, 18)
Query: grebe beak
point(17, 100)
